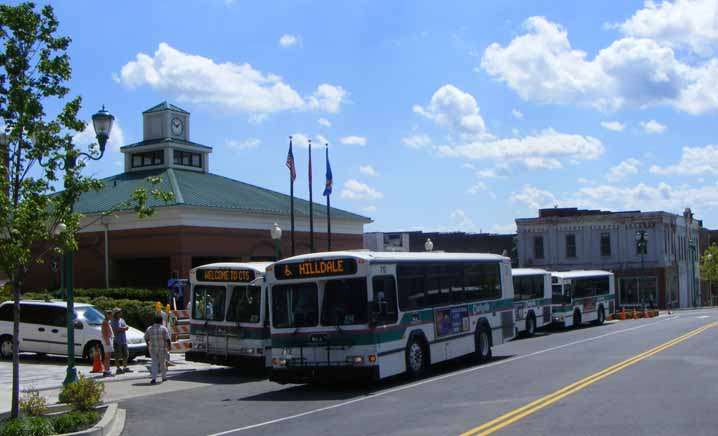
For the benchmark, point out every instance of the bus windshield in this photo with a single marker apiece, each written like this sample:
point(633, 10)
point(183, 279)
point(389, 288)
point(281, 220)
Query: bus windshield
point(295, 305)
point(208, 303)
point(345, 302)
point(244, 305)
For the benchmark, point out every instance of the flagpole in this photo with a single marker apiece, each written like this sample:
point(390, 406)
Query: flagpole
point(329, 194)
point(311, 213)
point(291, 192)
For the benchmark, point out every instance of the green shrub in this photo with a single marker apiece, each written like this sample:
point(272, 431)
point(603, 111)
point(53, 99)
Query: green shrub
point(137, 314)
point(82, 394)
point(75, 421)
point(161, 295)
point(32, 403)
point(30, 426)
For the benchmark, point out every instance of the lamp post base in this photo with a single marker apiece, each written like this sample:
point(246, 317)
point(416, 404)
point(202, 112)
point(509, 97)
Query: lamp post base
point(70, 376)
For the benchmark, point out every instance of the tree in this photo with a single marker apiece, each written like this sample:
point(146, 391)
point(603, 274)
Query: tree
point(34, 67)
point(709, 267)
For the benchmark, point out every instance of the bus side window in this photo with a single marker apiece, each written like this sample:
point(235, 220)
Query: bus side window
point(385, 294)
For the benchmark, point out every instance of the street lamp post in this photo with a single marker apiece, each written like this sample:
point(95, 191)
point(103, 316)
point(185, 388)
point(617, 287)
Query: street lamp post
point(276, 234)
point(102, 123)
point(641, 245)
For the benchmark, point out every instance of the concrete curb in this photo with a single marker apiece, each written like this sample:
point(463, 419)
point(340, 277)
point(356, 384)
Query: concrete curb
point(111, 424)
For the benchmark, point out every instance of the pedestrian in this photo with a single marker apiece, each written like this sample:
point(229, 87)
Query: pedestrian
point(158, 342)
point(108, 339)
point(119, 327)
point(176, 288)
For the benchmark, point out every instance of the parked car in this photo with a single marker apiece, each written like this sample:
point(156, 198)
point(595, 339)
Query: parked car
point(43, 329)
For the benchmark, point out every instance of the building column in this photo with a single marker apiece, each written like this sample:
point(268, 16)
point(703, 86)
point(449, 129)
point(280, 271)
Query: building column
point(182, 263)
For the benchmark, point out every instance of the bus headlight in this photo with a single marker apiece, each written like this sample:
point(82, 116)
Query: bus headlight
point(276, 361)
point(355, 360)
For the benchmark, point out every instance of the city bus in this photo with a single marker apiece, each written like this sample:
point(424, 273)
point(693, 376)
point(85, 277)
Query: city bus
point(357, 314)
point(582, 296)
point(532, 299)
point(229, 324)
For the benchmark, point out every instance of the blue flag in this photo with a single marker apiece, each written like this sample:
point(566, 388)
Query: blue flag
point(328, 185)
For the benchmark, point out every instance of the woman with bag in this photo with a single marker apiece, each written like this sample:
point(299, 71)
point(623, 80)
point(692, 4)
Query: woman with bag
point(108, 338)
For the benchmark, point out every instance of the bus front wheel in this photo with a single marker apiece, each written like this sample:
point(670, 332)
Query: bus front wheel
point(416, 358)
point(601, 317)
point(576, 319)
point(483, 344)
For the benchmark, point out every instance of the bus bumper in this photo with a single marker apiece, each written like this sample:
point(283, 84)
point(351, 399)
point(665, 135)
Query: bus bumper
point(320, 374)
point(256, 362)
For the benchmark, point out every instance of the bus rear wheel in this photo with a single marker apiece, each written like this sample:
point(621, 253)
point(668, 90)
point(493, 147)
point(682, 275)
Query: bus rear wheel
point(601, 317)
point(530, 325)
point(483, 344)
point(416, 358)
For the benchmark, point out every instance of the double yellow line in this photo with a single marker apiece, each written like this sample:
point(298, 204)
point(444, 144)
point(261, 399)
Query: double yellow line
point(533, 407)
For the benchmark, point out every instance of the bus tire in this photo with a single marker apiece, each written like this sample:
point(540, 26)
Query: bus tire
point(601, 317)
point(576, 318)
point(483, 344)
point(6, 347)
point(416, 357)
point(530, 325)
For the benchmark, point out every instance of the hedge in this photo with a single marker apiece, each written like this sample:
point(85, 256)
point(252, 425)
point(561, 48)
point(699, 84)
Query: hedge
point(161, 295)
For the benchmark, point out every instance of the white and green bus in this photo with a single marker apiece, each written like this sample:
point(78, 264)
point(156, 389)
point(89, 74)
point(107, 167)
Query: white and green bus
point(374, 314)
point(532, 299)
point(229, 324)
point(582, 296)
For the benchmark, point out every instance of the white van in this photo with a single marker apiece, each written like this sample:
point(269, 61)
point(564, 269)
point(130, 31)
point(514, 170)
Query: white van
point(43, 329)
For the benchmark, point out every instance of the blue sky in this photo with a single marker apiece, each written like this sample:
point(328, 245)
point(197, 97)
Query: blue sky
point(440, 116)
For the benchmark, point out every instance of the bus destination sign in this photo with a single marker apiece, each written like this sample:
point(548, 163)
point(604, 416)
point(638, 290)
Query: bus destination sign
point(316, 268)
point(225, 275)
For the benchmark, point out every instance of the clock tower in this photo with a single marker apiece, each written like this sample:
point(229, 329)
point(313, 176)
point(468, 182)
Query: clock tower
point(166, 143)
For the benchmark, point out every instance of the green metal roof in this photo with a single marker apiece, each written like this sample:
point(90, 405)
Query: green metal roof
point(165, 106)
point(164, 141)
point(192, 188)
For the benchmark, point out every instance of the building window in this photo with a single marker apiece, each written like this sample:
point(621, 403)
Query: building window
point(187, 159)
point(150, 158)
point(538, 247)
point(605, 244)
point(641, 243)
point(638, 291)
point(571, 245)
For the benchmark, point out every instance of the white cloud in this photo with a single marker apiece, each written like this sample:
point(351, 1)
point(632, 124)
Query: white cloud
point(322, 140)
point(87, 137)
point(288, 40)
point(647, 197)
point(533, 197)
point(367, 170)
point(504, 228)
point(543, 150)
point(694, 161)
point(468, 165)
point(355, 190)
point(461, 221)
point(517, 114)
point(300, 140)
point(417, 141)
point(653, 127)
point(353, 140)
point(245, 144)
point(623, 169)
point(541, 65)
point(613, 125)
point(369, 209)
point(327, 98)
point(324, 122)
point(480, 187)
point(454, 108)
point(229, 86)
point(683, 24)
point(487, 173)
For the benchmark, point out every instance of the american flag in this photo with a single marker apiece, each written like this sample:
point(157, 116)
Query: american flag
point(290, 162)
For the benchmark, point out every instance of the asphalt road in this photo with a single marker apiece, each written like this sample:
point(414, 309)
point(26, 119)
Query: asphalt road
point(632, 377)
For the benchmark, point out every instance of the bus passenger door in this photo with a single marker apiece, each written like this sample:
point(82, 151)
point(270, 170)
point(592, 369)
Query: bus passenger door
point(385, 314)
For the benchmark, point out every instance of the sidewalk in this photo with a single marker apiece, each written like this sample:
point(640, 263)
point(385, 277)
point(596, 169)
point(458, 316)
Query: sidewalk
point(47, 373)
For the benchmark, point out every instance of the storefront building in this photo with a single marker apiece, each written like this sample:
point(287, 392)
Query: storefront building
point(654, 255)
point(211, 218)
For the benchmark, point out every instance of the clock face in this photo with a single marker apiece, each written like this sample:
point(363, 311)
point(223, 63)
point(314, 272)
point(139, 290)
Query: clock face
point(177, 126)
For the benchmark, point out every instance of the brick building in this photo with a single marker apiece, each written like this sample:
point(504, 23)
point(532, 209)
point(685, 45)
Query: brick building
point(654, 255)
point(211, 218)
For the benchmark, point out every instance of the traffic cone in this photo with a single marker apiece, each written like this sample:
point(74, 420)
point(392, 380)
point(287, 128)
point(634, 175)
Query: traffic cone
point(97, 361)
point(635, 316)
point(623, 314)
